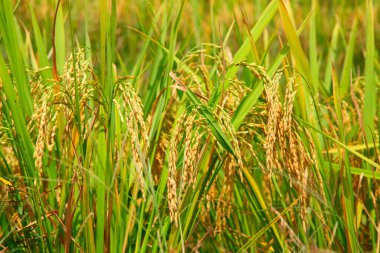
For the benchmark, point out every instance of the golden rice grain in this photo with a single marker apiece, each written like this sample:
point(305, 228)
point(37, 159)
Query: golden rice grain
point(42, 118)
point(188, 154)
point(224, 206)
point(274, 108)
point(173, 156)
point(228, 128)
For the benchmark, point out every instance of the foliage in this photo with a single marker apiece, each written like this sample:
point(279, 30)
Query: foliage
point(181, 126)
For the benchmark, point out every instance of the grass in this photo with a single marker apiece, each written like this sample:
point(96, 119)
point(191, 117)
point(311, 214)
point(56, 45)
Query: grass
point(189, 126)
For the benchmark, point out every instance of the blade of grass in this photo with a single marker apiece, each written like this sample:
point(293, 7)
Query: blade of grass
point(345, 78)
point(12, 43)
point(370, 96)
point(331, 58)
point(301, 62)
point(59, 38)
point(313, 49)
point(347, 198)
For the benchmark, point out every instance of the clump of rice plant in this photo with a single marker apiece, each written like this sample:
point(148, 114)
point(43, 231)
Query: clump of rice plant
point(189, 126)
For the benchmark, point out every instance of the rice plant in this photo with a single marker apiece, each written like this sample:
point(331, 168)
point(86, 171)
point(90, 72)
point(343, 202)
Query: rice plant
point(189, 126)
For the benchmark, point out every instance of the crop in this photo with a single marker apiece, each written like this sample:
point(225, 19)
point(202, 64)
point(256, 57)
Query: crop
point(189, 126)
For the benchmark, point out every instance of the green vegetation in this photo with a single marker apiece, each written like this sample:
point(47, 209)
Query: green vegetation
point(189, 126)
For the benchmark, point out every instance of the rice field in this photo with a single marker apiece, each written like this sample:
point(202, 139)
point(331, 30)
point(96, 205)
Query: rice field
point(189, 126)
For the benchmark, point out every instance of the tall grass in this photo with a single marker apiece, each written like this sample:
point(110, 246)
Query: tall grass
point(189, 126)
